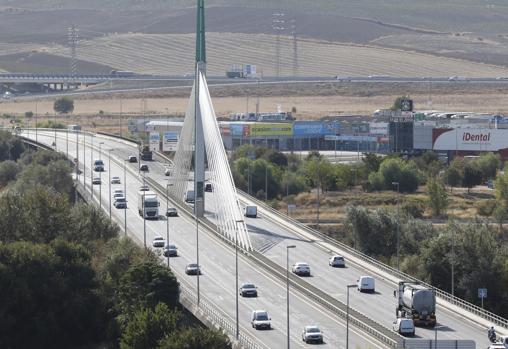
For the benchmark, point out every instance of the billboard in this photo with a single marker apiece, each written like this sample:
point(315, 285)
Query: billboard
point(378, 128)
point(154, 141)
point(239, 130)
point(314, 128)
point(170, 140)
point(263, 130)
point(469, 139)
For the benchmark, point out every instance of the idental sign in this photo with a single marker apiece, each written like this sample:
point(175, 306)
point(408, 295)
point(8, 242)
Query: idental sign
point(481, 137)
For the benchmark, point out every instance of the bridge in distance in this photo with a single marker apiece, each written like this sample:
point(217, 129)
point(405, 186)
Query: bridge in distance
point(269, 235)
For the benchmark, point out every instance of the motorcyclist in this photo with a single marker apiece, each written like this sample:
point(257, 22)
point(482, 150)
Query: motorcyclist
point(492, 334)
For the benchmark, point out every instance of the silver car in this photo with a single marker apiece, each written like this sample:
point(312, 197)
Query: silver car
point(312, 334)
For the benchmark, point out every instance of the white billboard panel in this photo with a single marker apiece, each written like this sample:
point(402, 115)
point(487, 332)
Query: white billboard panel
point(472, 139)
point(170, 141)
point(378, 128)
point(154, 141)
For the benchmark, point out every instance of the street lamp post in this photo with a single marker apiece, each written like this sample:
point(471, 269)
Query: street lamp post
point(347, 315)
point(236, 275)
point(167, 218)
point(398, 223)
point(143, 207)
point(100, 176)
point(91, 166)
point(109, 180)
point(125, 194)
point(77, 156)
point(287, 290)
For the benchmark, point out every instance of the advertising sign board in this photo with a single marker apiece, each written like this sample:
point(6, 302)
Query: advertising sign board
point(472, 139)
point(154, 141)
point(378, 128)
point(314, 128)
point(170, 141)
point(275, 129)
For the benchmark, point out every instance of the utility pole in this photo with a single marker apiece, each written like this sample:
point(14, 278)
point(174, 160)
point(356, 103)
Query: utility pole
point(72, 34)
point(278, 26)
point(295, 47)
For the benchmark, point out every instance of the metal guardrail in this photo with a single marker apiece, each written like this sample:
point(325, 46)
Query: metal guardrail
point(474, 309)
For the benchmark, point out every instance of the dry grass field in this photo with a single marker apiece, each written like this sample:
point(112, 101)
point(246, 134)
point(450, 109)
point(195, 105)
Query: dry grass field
point(174, 54)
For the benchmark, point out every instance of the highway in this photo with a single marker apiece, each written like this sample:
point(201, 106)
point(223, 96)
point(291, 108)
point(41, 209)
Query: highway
point(217, 284)
point(270, 238)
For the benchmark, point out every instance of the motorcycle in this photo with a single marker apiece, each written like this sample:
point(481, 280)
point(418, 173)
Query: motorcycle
point(492, 337)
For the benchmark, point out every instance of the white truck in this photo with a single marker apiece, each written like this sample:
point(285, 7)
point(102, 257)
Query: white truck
point(501, 343)
point(148, 205)
point(251, 211)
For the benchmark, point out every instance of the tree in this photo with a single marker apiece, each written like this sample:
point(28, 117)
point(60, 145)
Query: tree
point(438, 198)
point(146, 327)
point(195, 338)
point(8, 171)
point(454, 174)
point(472, 176)
point(395, 170)
point(372, 162)
point(29, 114)
point(397, 104)
point(488, 164)
point(90, 223)
point(145, 284)
point(63, 105)
point(51, 291)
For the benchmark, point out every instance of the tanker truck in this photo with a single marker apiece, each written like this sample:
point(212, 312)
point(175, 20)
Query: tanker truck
point(416, 302)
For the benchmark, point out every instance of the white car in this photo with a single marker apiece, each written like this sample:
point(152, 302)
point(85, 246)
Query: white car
point(96, 180)
point(337, 261)
point(167, 171)
point(115, 180)
point(144, 188)
point(260, 320)
point(158, 242)
point(301, 268)
point(404, 326)
point(118, 191)
point(312, 334)
point(118, 195)
point(366, 284)
point(248, 290)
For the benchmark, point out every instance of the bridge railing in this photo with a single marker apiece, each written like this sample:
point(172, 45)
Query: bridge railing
point(472, 308)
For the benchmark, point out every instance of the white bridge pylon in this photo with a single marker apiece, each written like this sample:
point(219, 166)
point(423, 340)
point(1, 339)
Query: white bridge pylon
point(226, 208)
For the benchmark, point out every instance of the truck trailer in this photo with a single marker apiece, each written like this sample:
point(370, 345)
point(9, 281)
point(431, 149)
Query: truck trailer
point(148, 205)
point(416, 302)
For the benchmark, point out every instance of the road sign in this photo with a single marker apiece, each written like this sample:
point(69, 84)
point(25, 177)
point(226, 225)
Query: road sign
point(482, 293)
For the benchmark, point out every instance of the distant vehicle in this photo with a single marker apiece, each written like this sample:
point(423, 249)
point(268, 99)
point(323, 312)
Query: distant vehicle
point(118, 191)
point(143, 168)
point(301, 269)
point(192, 269)
point(404, 326)
point(501, 343)
point(118, 195)
point(96, 180)
point(167, 171)
point(120, 202)
point(98, 165)
point(144, 188)
point(208, 187)
point(366, 284)
point(260, 320)
point(7, 95)
point(158, 242)
point(457, 78)
point(170, 251)
point(132, 158)
point(248, 290)
point(342, 78)
point(312, 334)
point(417, 302)
point(189, 196)
point(115, 180)
point(171, 212)
point(502, 78)
point(74, 127)
point(145, 153)
point(251, 211)
point(121, 73)
point(148, 205)
point(337, 261)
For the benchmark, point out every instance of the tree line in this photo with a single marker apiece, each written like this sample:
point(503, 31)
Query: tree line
point(68, 280)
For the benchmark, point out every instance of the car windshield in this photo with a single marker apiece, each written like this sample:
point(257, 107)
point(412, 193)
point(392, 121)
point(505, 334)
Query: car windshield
point(116, 178)
point(262, 316)
point(151, 204)
point(120, 199)
point(192, 265)
point(99, 162)
point(171, 247)
point(159, 238)
point(248, 286)
point(313, 330)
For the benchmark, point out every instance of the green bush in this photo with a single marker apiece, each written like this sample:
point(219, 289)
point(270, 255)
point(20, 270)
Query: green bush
point(486, 207)
point(413, 208)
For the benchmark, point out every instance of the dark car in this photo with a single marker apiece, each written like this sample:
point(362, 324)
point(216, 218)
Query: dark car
point(192, 269)
point(132, 158)
point(208, 187)
point(170, 251)
point(143, 167)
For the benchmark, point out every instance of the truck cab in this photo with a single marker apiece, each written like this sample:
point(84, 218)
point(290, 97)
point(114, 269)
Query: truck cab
point(148, 205)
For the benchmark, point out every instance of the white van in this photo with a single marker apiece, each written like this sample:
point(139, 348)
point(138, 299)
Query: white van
point(366, 284)
point(251, 211)
point(260, 320)
point(404, 326)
